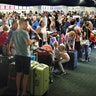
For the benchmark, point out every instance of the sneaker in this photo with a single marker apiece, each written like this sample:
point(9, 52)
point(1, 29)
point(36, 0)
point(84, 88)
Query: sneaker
point(83, 60)
point(95, 46)
point(89, 60)
point(86, 60)
point(63, 73)
point(55, 71)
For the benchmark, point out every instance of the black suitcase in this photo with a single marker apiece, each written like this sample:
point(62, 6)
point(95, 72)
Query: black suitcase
point(72, 63)
point(12, 77)
point(4, 66)
point(3, 70)
point(45, 58)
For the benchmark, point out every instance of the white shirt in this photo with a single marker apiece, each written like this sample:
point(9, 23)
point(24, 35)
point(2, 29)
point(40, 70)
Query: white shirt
point(44, 32)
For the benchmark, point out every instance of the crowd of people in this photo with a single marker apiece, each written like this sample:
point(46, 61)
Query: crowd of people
point(72, 31)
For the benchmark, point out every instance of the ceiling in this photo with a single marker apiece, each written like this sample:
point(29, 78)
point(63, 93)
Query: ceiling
point(90, 3)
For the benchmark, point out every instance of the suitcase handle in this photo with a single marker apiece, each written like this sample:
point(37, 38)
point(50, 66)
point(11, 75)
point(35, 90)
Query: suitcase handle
point(1, 60)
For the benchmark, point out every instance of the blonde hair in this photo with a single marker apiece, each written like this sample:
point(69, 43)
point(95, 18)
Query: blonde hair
point(55, 44)
point(71, 33)
point(5, 28)
point(62, 46)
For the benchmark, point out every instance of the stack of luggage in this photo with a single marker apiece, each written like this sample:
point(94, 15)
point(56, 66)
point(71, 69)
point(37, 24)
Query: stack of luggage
point(44, 56)
point(38, 83)
point(38, 79)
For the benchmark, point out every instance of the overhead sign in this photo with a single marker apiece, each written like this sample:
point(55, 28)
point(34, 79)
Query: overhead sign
point(51, 8)
point(3, 6)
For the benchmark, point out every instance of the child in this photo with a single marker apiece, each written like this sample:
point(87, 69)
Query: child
point(55, 56)
point(62, 39)
point(63, 57)
point(56, 51)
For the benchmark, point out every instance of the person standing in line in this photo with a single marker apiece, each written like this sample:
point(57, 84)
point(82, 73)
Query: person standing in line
point(35, 25)
point(77, 30)
point(70, 41)
point(13, 28)
point(3, 23)
point(43, 32)
point(3, 38)
point(22, 42)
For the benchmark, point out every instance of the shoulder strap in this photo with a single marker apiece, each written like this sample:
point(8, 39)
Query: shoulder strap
point(72, 28)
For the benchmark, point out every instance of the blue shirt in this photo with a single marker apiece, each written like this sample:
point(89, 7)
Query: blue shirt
point(34, 25)
point(10, 35)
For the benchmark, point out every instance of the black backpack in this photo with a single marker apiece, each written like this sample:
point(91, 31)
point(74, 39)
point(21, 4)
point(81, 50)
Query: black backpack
point(64, 27)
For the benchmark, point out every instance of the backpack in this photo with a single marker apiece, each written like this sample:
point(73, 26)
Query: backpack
point(64, 27)
point(61, 40)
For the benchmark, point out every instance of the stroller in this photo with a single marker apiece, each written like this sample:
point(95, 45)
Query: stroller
point(44, 56)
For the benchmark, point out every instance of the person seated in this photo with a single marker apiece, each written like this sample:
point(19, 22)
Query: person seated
point(63, 57)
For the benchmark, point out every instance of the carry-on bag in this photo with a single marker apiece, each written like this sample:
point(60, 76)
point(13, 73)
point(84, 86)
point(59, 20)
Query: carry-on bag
point(12, 77)
point(72, 63)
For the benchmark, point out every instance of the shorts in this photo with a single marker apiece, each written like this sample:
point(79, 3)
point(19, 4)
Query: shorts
point(22, 64)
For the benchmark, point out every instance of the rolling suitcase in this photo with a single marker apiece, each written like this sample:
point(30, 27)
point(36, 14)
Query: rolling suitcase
point(3, 70)
point(72, 63)
point(12, 77)
point(39, 77)
point(33, 64)
point(4, 66)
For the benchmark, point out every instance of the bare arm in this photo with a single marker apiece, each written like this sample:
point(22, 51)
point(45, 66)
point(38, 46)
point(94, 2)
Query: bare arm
point(73, 44)
point(28, 41)
point(11, 44)
point(38, 29)
point(32, 30)
point(67, 43)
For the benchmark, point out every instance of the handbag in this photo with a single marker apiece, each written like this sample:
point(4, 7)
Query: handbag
point(37, 37)
point(84, 42)
point(94, 32)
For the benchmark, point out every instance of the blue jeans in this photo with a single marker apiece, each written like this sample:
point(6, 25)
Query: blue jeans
point(87, 53)
point(94, 28)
